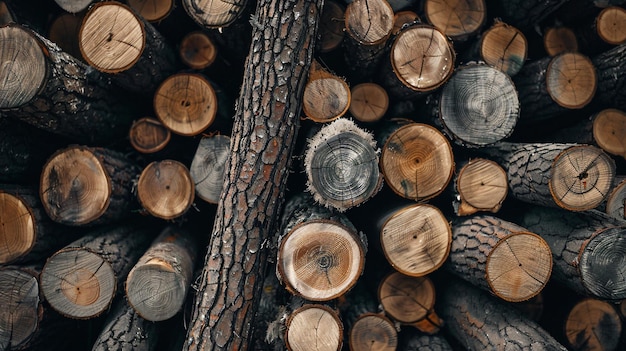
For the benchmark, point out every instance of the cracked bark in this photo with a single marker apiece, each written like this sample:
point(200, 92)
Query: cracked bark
point(124, 329)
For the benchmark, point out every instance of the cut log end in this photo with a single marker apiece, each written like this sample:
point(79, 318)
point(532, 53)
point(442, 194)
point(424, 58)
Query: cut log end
point(571, 80)
point(422, 58)
point(373, 332)
point(616, 201)
point(155, 290)
point(456, 19)
point(20, 301)
point(115, 47)
point(482, 186)
point(330, 27)
point(326, 97)
point(75, 189)
point(314, 325)
point(609, 131)
point(152, 10)
point(73, 6)
point(24, 67)
point(369, 102)
point(417, 161)
point(401, 18)
point(17, 228)
point(64, 32)
point(165, 189)
point(186, 103)
point(602, 264)
point(197, 50)
point(148, 135)
point(320, 260)
point(519, 267)
point(581, 178)
point(593, 325)
point(504, 47)
point(369, 22)
point(214, 14)
point(78, 283)
point(209, 166)
point(611, 25)
point(416, 239)
point(558, 40)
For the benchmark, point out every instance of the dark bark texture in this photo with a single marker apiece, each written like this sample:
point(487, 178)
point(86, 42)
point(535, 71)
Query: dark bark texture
point(611, 70)
point(125, 330)
point(526, 13)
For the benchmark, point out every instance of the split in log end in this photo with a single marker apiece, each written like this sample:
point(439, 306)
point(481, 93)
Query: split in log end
point(148, 135)
point(326, 97)
point(369, 102)
point(609, 131)
point(482, 186)
point(571, 80)
point(372, 331)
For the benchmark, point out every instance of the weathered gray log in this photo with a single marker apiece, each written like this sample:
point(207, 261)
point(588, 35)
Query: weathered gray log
point(214, 14)
point(124, 329)
point(22, 307)
point(73, 6)
point(208, 167)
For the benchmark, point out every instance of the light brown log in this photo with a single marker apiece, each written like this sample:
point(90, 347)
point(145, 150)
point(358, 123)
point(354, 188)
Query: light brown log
point(186, 103)
point(457, 19)
point(341, 165)
point(504, 47)
point(314, 325)
point(152, 10)
point(157, 285)
point(331, 27)
point(125, 330)
point(593, 324)
point(609, 131)
point(81, 280)
point(165, 189)
point(63, 31)
point(416, 239)
point(214, 13)
point(416, 159)
point(208, 167)
point(326, 96)
point(401, 18)
point(148, 135)
point(611, 25)
point(622, 308)
point(616, 201)
point(410, 301)
point(82, 185)
point(22, 309)
point(559, 39)
point(500, 257)
point(197, 50)
point(369, 102)
point(480, 185)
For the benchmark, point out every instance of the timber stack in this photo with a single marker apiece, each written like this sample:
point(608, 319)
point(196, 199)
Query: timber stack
point(277, 174)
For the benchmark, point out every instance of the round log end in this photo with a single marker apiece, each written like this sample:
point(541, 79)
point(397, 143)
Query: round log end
point(504, 47)
point(78, 283)
point(416, 239)
point(112, 38)
point(519, 267)
point(209, 166)
point(186, 103)
point(408, 300)
point(64, 32)
point(330, 27)
point(482, 186)
point(369, 22)
point(611, 25)
point(197, 50)
point(457, 19)
point(581, 178)
point(609, 131)
point(422, 58)
point(314, 325)
point(24, 66)
point(320, 260)
point(557, 40)
point(401, 18)
point(165, 189)
point(326, 99)
point(373, 332)
point(479, 105)
point(616, 201)
point(215, 13)
point(75, 189)
point(152, 10)
point(148, 135)
point(20, 301)
point(17, 228)
point(593, 325)
point(369, 102)
point(602, 264)
point(571, 80)
point(417, 161)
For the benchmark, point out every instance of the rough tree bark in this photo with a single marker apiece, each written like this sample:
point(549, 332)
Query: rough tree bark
point(264, 132)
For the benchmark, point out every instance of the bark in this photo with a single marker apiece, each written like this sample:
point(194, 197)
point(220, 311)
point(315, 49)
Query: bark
point(197, 50)
point(165, 189)
point(459, 20)
point(266, 122)
point(81, 280)
point(331, 27)
point(130, 49)
point(148, 135)
point(480, 185)
point(482, 322)
point(124, 329)
point(611, 68)
point(53, 91)
point(421, 342)
point(369, 102)
point(208, 167)
point(593, 325)
point(602, 32)
point(500, 257)
point(527, 13)
point(616, 201)
point(326, 96)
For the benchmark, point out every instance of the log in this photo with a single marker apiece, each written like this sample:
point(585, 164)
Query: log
point(402, 18)
point(326, 96)
point(26, 232)
point(73, 6)
point(152, 10)
point(51, 90)
point(82, 185)
point(157, 285)
point(587, 249)
point(264, 134)
point(480, 185)
point(124, 329)
point(325, 322)
point(500, 257)
point(214, 14)
point(197, 50)
point(331, 27)
point(186, 103)
point(482, 322)
point(603, 31)
point(410, 301)
point(422, 342)
point(559, 39)
point(208, 167)
point(271, 315)
point(616, 201)
point(551, 86)
point(320, 253)
point(81, 280)
point(416, 159)
point(165, 189)
point(576, 177)
point(369, 102)
point(610, 68)
point(148, 135)
point(22, 307)
point(136, 56)
point(459, 20)
point(593, 324)
point(502, 46)
point(527, 13)
point(341, 164)
point(414, 238)
point(64, 30)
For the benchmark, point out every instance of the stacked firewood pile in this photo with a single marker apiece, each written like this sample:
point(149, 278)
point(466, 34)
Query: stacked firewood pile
point(312, 175)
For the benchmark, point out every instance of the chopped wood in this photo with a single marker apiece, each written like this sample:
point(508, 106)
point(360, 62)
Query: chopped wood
point(148, 135)
point(197, 50)
point(425, 342)
point(457, 19)
point(165, 189)
point(611, 25)
point(22, 307)
point(402, 18)
point(373, 331)
point(208, 167)
point(326, 96)
point(504, 47)
point(331, 27)
point(214, 13)
point(559, 39)
point(480, 185)
point(152, 10)
point(124, 329)
point(325, 322)
point(593, 324)
point(609, 131)
point(611, 69)
point(369, 102)
point(616, 201)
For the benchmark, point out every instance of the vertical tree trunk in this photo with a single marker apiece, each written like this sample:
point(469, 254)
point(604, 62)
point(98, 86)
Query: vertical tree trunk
point(124, 329)
point(265, 128)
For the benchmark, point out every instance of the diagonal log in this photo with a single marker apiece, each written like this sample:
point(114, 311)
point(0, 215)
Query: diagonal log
point(264, 133)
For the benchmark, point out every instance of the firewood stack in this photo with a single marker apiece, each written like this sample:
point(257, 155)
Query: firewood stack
point(388, 174)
